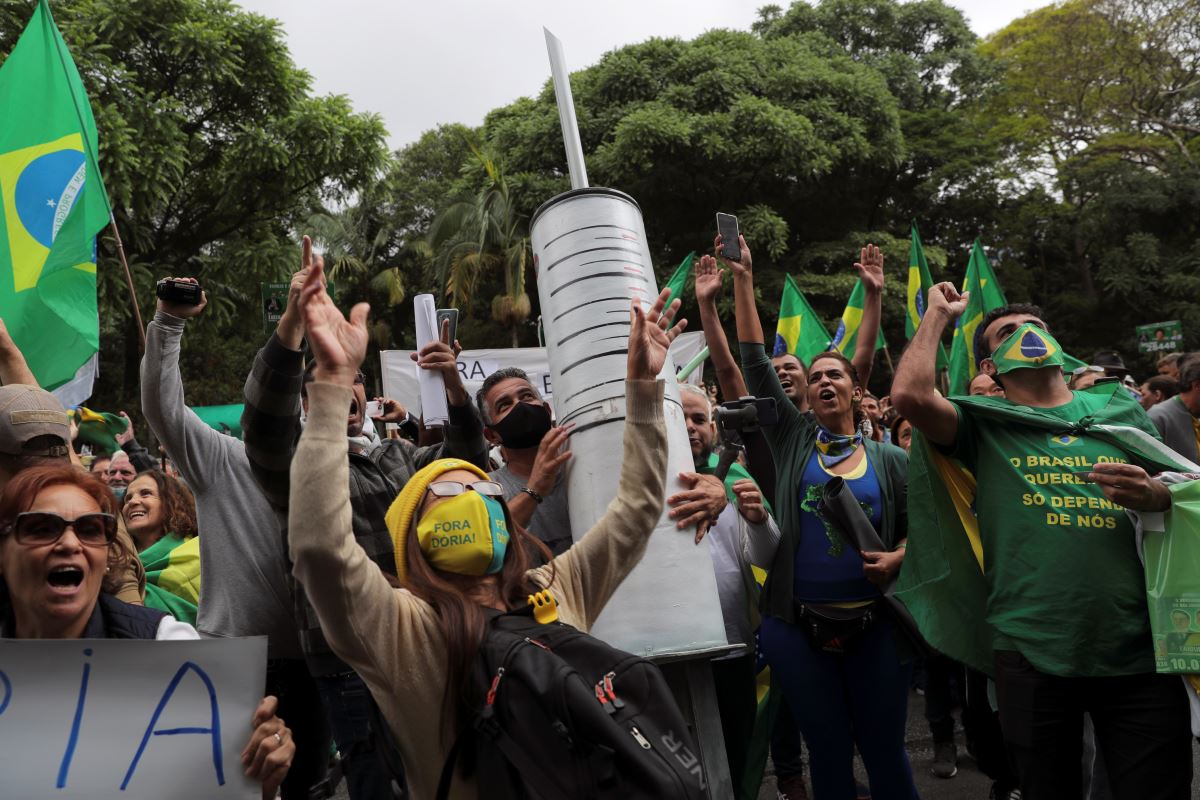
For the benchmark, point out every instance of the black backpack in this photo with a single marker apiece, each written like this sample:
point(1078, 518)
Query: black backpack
point(565, 715)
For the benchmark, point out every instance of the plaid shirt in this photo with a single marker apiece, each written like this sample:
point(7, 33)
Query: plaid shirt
point(271, 427)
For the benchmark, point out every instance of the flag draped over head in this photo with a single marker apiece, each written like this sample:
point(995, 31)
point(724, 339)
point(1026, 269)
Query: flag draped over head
point(799, 331)
point(986, 295)
point(52, 204)
point(99, 428)
point(846, 338)
point(678, 280)
point(919, 284)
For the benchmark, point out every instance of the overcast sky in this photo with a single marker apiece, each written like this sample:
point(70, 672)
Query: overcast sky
point(425, 62)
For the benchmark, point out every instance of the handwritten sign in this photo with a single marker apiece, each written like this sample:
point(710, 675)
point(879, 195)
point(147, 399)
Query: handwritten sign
point(137, 720)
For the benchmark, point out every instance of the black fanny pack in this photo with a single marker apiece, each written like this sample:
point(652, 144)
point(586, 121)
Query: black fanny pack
point(834, 629)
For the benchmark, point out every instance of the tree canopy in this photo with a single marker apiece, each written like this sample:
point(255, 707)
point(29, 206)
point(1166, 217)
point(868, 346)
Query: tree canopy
point(1067, 143)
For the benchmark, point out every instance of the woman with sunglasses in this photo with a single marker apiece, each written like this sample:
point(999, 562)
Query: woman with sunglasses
point(457, 551)
point(160, 515)
point(58, 552)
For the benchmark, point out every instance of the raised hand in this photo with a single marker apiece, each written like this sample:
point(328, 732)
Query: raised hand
point(127, 434)
point(339, 345)
point(870, 268)
point(390, 410)
point(708, 280)
point(442, 356)
point(182, 311)
point(291, 323)
point(552, 454)
point(650, 336)
point(945, 299)
point(741, 269)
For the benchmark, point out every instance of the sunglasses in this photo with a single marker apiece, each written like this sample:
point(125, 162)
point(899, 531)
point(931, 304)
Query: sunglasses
point(39, 528)
point(455, 488)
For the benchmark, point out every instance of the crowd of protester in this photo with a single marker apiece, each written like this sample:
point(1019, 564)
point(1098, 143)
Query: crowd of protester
point(319, 530)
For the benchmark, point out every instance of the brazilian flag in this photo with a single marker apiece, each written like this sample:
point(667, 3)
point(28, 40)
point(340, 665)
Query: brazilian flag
point(799, 330)
point(919, 284)
point(52, 204)
point(986, 295)
point(846, 338)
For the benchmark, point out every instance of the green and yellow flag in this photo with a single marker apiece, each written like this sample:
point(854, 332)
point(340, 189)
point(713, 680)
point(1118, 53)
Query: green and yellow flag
point(799, 331)
point(986, 295)
point(678, 280)
point(846, 338)
point(919, 284)
point(52, 204)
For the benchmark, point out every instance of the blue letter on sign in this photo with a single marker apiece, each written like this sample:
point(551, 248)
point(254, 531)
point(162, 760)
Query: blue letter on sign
point(6, 686)
point(214, 731)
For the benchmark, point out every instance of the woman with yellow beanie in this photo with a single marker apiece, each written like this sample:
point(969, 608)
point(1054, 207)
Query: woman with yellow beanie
point(457, 551)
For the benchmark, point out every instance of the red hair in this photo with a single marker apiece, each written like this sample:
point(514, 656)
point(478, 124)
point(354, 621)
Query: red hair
point(20, 492)
point(23, 489)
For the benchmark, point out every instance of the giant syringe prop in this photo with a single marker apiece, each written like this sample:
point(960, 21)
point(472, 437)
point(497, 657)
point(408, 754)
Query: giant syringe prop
point(591, 257)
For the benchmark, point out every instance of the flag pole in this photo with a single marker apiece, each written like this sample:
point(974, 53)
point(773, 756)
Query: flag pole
point(887, 356)
point(137, 312)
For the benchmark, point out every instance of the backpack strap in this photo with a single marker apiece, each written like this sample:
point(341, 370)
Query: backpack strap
point(443, 787)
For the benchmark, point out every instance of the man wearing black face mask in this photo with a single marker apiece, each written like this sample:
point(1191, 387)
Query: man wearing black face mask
point(516, 418)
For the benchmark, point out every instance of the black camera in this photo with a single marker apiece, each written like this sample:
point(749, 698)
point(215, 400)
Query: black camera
point(747, 414)
point(183, 293)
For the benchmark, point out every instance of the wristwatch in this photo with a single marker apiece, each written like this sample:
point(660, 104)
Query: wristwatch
point(537, 497)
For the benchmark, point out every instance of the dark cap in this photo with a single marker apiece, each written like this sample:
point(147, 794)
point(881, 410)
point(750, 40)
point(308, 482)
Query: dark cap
point(1111, 361)
point(26, 413)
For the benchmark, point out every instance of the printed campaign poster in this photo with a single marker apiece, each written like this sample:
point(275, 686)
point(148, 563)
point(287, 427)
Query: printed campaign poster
point(1160, 337)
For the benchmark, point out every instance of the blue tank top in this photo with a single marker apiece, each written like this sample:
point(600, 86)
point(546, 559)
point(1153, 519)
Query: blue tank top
point(827, 569)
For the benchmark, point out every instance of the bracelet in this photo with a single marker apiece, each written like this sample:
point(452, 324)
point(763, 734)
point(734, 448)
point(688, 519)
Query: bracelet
point(901, 546)
point(537, 497)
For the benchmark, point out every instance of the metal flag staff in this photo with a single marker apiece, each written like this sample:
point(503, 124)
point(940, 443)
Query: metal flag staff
point(592, 259)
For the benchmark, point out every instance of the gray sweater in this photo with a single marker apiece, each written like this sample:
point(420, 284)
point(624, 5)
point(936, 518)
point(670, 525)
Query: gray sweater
point(244, 579)
point(1174, 422)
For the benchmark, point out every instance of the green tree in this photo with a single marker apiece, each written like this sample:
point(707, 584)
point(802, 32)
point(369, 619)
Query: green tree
point(483, 235)
point(213, 151)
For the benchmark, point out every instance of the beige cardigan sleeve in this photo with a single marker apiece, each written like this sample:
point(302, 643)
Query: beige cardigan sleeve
point(589, 572)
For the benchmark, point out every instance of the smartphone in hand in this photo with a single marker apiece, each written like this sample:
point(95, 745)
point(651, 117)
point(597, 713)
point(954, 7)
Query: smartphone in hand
point(374, 409)
point(452, 315)
point(727, 226)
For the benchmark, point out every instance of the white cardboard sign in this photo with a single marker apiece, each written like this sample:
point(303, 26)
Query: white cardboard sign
point(100, 719)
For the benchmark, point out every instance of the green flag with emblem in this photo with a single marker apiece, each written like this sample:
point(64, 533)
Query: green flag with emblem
point(986, 295)
point(52, 204)
point(799, 330)
point(917, 292)
point(846, 338)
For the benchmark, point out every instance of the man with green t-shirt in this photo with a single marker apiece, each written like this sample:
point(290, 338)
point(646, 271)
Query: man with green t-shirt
point(1065, 607)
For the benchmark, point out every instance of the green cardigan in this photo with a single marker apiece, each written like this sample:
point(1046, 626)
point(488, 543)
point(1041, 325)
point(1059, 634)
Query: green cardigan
point(792, 442)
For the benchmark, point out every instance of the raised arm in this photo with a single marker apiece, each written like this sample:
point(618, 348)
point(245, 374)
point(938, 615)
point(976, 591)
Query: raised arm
point(914, 392)
point(189, 442)
point(13, 367)
point(591, 570)
point(271, 416)
point(708, 288)
point(462, 436)
point(356, 606)
point(870, 272)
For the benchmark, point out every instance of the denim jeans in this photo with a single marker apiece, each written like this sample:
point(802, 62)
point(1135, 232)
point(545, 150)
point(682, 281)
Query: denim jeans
point(859, 697)
point(347, 703)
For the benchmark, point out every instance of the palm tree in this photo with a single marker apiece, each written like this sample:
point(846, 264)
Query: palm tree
point(358, 249)
point(475, 237)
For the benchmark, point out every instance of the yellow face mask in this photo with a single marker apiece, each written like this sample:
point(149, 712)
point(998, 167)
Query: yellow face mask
point(466, 535)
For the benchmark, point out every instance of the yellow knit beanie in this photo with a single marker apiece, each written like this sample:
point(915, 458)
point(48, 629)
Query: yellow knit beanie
point(399, 517)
